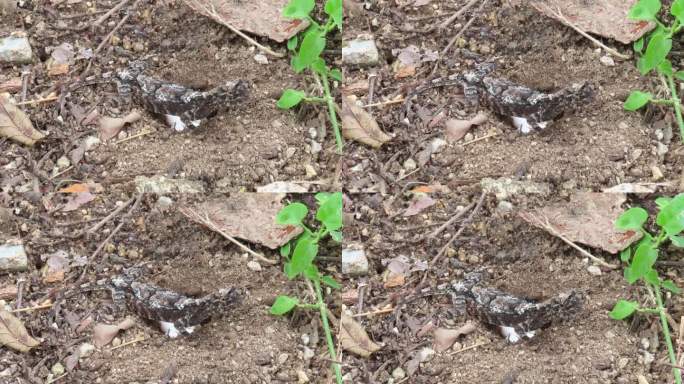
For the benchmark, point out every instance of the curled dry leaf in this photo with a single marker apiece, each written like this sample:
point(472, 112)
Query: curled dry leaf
point(359, 125)
point(111, 126)
point(418, 204)
point(15, 125)
point(354, 338)
point(13, 333)
point(77, 200)
point(456, 129)
point(103, 334)
point(445, 338)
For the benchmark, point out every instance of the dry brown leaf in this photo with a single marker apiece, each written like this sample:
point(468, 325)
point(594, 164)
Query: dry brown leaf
point(260, 17)
point(445, 338)
point(249, 216)
point(354, 338)
point(103, 334)
point(394, 280)
point(456, 129)
point(588, 219)
point(111, 126)
point(13, 334)
point(359, 125)
point(418, 204)
point(15, 125)
point(77, 200)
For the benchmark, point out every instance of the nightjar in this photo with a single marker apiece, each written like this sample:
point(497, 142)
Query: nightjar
point(515, 317)
point(175, 313)
point(180, 106)
point(527, 109)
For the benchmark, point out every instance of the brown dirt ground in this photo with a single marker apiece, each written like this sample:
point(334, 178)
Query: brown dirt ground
point(598, 146)
point(248, 145)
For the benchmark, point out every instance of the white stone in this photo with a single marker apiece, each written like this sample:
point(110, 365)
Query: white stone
point(607, 61)
point(594, 270)
point(15, 50)
point(85, 350)
point(63, 162)
point(360, 52)
point(261, 59)
point(354, 261)
point(398, 373)
point(437, 144)
point(13, 258)
point(91, 142)
point(410, 164)
point(254, 266)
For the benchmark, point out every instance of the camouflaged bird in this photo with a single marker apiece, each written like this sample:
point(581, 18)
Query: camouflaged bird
point(181, 106)
point(515, 317)
point(529, 110)
point(175, 313)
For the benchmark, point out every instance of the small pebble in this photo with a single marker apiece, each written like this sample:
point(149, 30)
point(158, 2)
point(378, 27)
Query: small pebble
point(398, 373)
point(594, 270)
point(57, 369)
point(657, 173)
point(63, 162)
point(86, 349)
point(607, 61)
point(410, 164)
point(261, 59)
point(282, 358)
point(254, 266)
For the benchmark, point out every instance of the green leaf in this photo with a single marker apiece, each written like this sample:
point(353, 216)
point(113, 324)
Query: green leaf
point(671, 216)
point(329, 281)
point(312, 273)
point(642, 263)
point(319, 67)
point(336, 74)
point(622, 309)
point(638, 45)
point(677, 241)
point(652, 277)
point(636, 100)
point(290, 98)
point(670, 286)
point(330, 212)
point(336, 235)
point(322, 197)
point(304, 253)
point(292, 214)
point(311, 48)
point(677, 10)
point(665, 67)
point(626, 254)
point(298, 9)
point(285, 250)
point(661, 202)
point(679, 75)
point(627, 274)
point(633, 218)
point(292, 43)
point(658, 48)
point(334, 9)
point(283, 305)
point(287, 269)
point(296, 64)
point(644, 10)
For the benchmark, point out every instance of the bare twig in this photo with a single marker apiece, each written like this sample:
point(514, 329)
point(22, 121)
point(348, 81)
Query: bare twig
point(116, 27)
point(376, 312)
point(143, 133)
point(457, 14)
point(115, 212)
point(463, 29)
point(136, 340)
point(207, 8)
point(37, 307)
point(38, 101)
point(444, 226)
point(469, 347)
point(559, 15)
point(479, 138)
point(465, 223)
point(389, 102)
point(192, 214)
point(114, 9)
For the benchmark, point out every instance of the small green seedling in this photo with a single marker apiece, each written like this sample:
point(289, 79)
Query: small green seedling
point(641, 258)
point(307, 56)
point(658, 45)
point(300, 261)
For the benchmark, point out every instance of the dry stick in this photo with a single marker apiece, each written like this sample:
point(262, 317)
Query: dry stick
point(44, 100)
point(456, 15)
point(143, 133)
point(41, 306)
point(559, 15)
point(460, 32)
point(479, 138)
point(104, 17)
point(211, 225)
point(470, 347)
point(444, 226)
point(56, 379)
point(137, 340)
point(376, 312)
point(384, 103)
point(116, 27)
point(549, 228)
point(195, 4)
point(110, 216)
point(460, 230)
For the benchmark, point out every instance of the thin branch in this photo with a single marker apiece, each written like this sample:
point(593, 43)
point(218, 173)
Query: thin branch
point(104, 17)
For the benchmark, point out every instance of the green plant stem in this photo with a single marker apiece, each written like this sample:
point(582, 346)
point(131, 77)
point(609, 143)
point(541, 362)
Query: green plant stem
point(654, 311)
point(323, 100)
point(662, 101)
point(677, 105)
point(331, 110)
point(328, 335)
point(666, 335)
point(308, 306)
